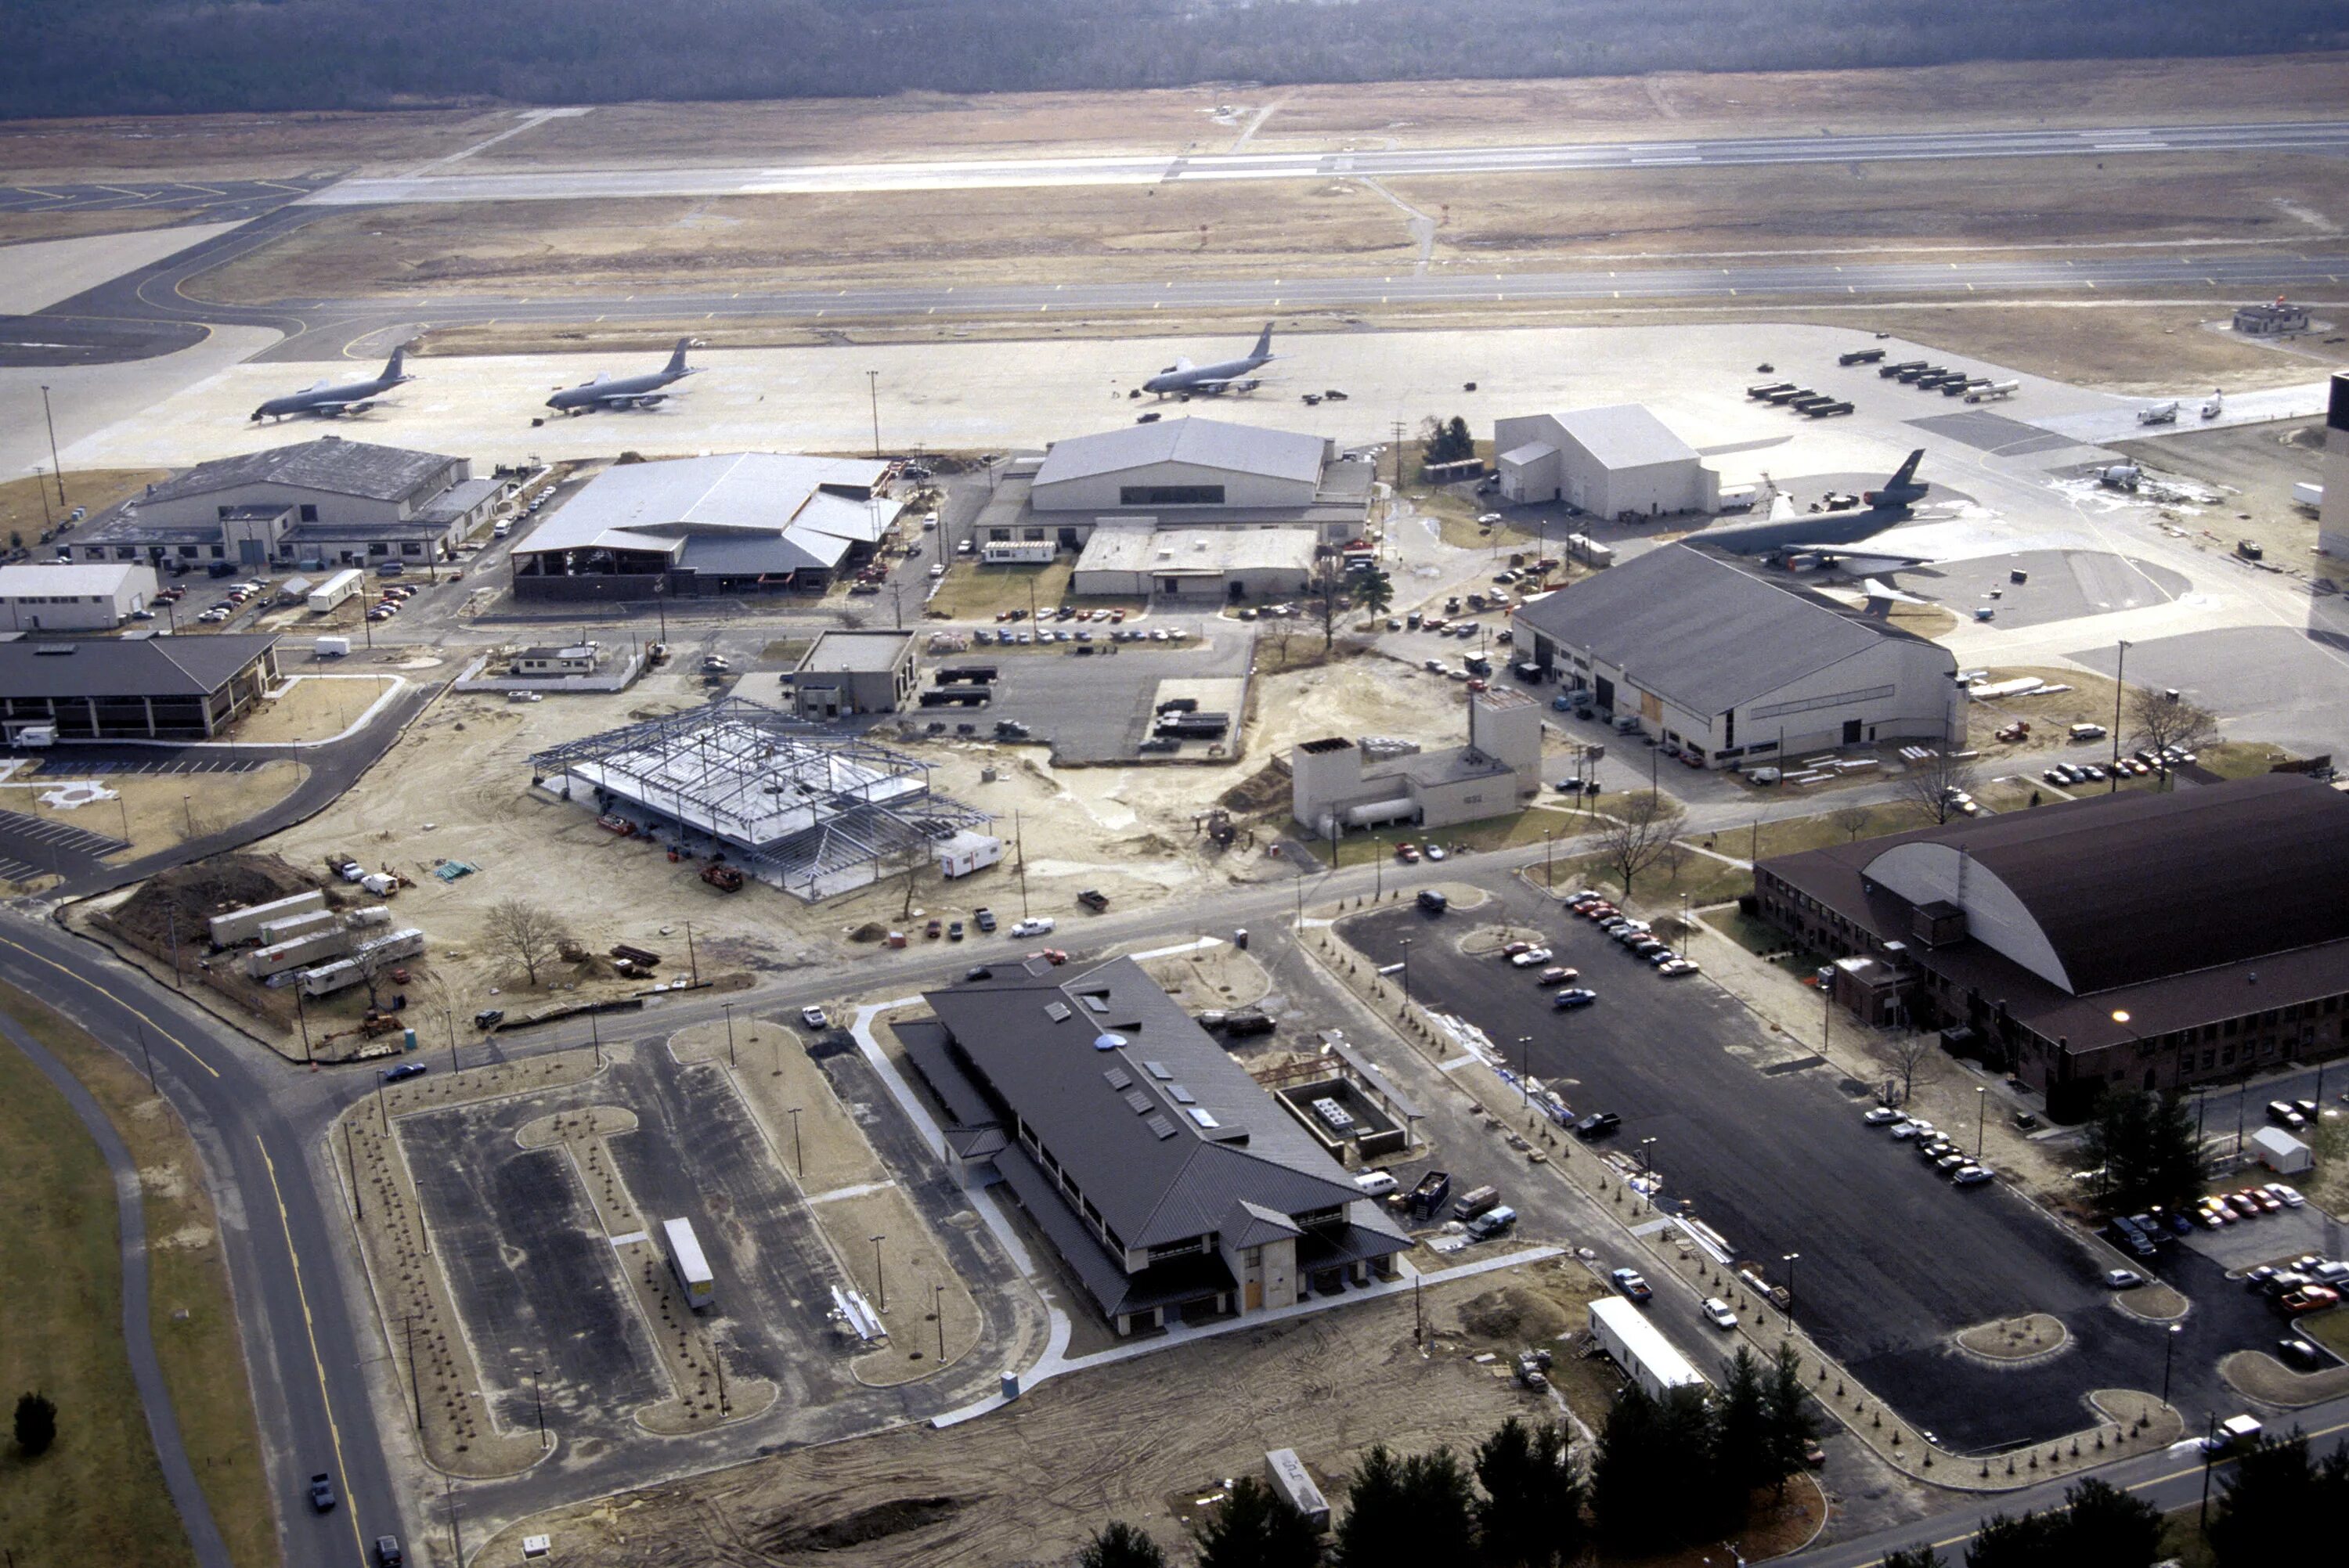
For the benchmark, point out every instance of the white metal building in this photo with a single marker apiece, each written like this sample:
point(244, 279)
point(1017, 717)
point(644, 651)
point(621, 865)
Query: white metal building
point(1710, 658)
point(1335, 790)
point(54, 597)
point(1606, 461)
point(1216, 564)
point(1181, 467)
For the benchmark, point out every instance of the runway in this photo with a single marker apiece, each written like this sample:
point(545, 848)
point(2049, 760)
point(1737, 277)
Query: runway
point(2322, 136)
point(222, 201)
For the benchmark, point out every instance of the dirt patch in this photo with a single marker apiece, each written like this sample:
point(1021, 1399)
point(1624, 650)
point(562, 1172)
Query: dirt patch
point(864, 1526)
point(30, 506)
point(2024, 1338)
point(2260, 1376)
point(2152, 1301)
point(312, 707)
point(1210, 977)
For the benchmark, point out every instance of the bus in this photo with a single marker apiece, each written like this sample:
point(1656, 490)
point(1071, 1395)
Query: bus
point(691, 1268)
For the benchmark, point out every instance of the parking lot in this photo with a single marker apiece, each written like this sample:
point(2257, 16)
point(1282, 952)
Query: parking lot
point(1098, 707)
point(1764, 1143)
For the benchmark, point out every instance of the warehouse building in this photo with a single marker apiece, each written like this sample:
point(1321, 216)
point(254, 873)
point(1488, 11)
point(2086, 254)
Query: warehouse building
point(1720, 664)
point(1217, 564)
point(2076, 944)
point(738, 523)
point(1167, 1180)
point(848, 673)
point(1336, 788)
point(316, 504)
point(51, 596)
point(1618, 461)
point(1193, 473)
point(138, 688)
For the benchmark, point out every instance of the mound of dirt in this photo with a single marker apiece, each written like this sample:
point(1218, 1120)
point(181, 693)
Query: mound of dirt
point(1261, 791)
point(1513, 1315)
point(862, 1526)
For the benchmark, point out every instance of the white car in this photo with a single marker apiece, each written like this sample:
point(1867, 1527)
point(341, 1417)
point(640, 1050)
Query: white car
point(1042, 925)
point(1716, 1311)
point(1880, 1116)
point(1907, 1130)
point(814, 1018)
point(1435, 852)
point(2289, 1197)
point(1375, 1183)
point(939, 570)
point(1531, 956)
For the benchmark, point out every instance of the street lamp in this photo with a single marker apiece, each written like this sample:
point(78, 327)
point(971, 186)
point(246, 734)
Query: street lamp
point(1647, 1172)
point(2120, 665)
point(1549, 874)
point(1525, 1066)
point(1790, 1260)
point(1406, 971)
point(2168, 1343)
point(937, 1296)
point(1982, 1117)
point(798, 1166)
point(880, 1280)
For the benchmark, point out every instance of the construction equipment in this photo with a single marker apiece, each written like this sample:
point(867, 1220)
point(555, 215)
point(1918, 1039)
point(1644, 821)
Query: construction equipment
point(722, 877)
point(612, 822)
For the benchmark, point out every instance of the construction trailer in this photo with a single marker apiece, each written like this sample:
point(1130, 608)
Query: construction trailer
point(244, 924)
point(692, 1269)
point(1645, 1355)
point(798, 808)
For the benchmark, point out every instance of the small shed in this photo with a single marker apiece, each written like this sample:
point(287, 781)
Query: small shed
point(2281, 1153)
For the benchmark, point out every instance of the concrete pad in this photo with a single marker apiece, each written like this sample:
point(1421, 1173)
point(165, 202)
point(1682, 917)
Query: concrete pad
point(996, 396)
point(38, 273)
point(2102, 426)
point(87, 399)
point(2271, 683)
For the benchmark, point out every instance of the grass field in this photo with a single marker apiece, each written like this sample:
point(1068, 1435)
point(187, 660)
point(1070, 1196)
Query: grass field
point(29, 505)
point(99, 1497)
point(971, 591)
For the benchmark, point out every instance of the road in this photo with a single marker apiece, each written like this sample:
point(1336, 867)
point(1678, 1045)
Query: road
point(2324, 137)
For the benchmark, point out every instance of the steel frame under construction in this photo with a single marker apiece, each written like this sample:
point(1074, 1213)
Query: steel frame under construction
point(812, 815)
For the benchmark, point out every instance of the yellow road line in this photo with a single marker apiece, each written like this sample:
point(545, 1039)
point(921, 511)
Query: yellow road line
point(317, 1362)
point(134, 1012)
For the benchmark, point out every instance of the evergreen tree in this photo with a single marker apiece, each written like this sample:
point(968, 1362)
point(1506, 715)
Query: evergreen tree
point(1651, 1449)
point(1794, 1425)
point(1373, 590)
point(1532, 1513)
point(36, 1423)
point(2105, 1527)
point(2262, 1515)
point(1915, 1557)
point(2147, 1145)
point(1405, 1513)
point(1742, 1432)
point(1257, 1528)
point(2026, 1543)
point(1120, 1545)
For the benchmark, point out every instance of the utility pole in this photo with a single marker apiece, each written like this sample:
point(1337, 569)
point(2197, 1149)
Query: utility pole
point(456, 1529)
point(538, 1403)
point(938, 1310)
point(150, 1058)
point(451, 1015)
point(691, 962)
point(730, 1035)
point(415, 1389)
point(173, 912)
point(358, 1204)
point(1019, 848)
point(880, 1278)
point(799, 1165)
point(2120, 665)
point(56, 469)
point(872, 389)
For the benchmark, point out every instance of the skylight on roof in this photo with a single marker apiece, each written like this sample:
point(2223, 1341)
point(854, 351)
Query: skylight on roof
point(1201, 1116)
point(1098, 1003)
point(1058, 1012)
point(1157, 1070)
point(1182, 1096)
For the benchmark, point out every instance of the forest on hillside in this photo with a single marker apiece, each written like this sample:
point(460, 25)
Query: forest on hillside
point(92, 56)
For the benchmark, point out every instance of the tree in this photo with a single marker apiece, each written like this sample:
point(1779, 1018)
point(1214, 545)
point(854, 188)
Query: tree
point(2264, 1513)
point(1444, 443)
point(1933, 781)
point(1632, 837)
point(2099, 1526)
point(1373, 590)
point(2159, 722)
point(1793, 1423)
point(1853, 819)
point(1329, 594)
point(36, 1423)
point(1741, 1431)
point(1909, 1053)
point(2147, 1146)
point(526, 933)
point(1120, 1545)
point(1915, 1557)
point(1403, 1513)
point(1257, 1528)
point(1640, 1495)
point(1531, 1516)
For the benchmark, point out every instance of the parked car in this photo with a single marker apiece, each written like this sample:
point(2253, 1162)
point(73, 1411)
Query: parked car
point(815, 1018)
point(387, 1552)
point(1531, 956)
point(1433, 901)
point(1880, 1116)
point(1716, 1311)
point(403, 1072)
point(1557, 975)
point(1039, 925)
point(1968, 1176)
point(1375, 1183)
point(1574, 997)
point(1598, 1125)
point(1492, 1222)
point(2123, 1279)
point(2289, 1197)
point(1633, 1285)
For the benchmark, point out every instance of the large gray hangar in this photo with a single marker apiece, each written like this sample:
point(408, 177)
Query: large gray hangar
point(1611, 461)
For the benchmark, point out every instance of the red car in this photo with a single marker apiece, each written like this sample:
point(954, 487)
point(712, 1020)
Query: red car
point(1407, 853)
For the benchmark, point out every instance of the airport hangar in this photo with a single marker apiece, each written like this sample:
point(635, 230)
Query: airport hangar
point(309, 506)
point(1186, 473)
point(1712, 660)
point(1611, 463)
point(2073, 944)
point(739, 523)
point(139, 688)
point(1165, 1178)
point(52, 596)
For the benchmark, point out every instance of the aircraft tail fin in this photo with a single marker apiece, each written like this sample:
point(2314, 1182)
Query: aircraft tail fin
point(1264, 342)
point(1907, 473)
point(676, 358)
point(397, 364)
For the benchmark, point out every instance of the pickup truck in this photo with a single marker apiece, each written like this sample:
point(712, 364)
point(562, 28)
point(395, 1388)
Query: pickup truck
point(1094, 899)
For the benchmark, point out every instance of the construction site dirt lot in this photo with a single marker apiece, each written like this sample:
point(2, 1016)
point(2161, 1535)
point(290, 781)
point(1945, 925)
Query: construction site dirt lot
point(1032, 1482)
point(2251, 469)
point(1861, 211)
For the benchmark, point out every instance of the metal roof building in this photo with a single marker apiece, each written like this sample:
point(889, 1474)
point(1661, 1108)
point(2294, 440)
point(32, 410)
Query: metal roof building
point(1714, 659)
point(2036, 928)
point(1164, 1177)
point(50, 596)
point(1606, 461)
point(1179, 465)
point(728, 524)
point(1215, 563)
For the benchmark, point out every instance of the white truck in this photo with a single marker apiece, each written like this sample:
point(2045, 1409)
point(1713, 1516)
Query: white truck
point(1993, 392)
point(335, 590)
point(685, 1261)
point(2308, 495)
point(2159, 413)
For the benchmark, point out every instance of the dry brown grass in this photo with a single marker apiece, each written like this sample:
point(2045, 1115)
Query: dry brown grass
point(235, 146)
point(29, 505)
point(17, 228)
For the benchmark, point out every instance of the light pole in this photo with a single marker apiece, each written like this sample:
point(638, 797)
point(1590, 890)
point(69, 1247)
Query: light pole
point(880, 1280)
point(1790, 1260)
point(1525, 1066)
point(798, 1166)
point(1982, 1117)
point(1684, 924)
point(1406, 971)
point(538, 1403)
point(872, 389)
point(2120, 665)
point(729, 1034)
point(56, 468)
point(1648, 1173)
point(938, 1310)
point(2168, 1343)
point(1549, 872)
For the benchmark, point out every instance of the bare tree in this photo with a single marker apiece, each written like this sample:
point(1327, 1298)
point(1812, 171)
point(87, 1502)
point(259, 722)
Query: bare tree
point(1853, 819)
point(1635, 834)
point(526, 933)
point(1909, 1052)
point(1934, 781)
point(1274, 636)
point(1329, 595)
point(2159, 722)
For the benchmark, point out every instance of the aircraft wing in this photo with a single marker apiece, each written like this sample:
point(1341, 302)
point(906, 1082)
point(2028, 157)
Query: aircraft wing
point(601, 376)
point(1875, 590)
point(1783, 508)
point(1855, 557)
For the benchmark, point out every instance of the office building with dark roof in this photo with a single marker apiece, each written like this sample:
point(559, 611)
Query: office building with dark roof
point(311, 505)
point(1168, 1182)
point(2157, 940)
point(138, 688)
point(1717, 661)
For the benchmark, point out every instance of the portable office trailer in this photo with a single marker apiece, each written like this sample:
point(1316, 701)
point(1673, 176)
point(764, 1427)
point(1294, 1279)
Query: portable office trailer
point(244, 924)
point(1646, 1356)
point(691, 1268)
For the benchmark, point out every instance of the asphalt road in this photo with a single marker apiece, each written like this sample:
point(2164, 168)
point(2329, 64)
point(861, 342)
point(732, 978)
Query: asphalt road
point(1767, 1147)
point(1161, 169)
point(102, 323)
point(307, 1355)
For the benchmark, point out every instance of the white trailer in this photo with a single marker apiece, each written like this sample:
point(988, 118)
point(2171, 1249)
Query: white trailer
point(1993, 391)
point(1646, 1356)
point(2308, 495)
point(691, 1268)
point(244, 924)
point(335, 590)
point(1292, 1480)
